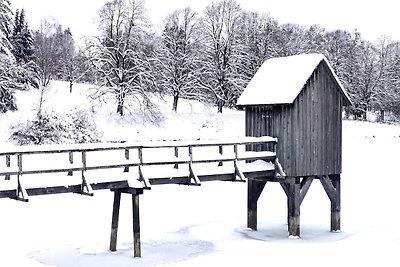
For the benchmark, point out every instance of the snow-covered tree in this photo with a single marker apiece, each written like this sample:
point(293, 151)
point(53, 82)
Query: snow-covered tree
point(178, 55)
point(257, 33)
point(22, 40)
point(5, 27)
point(392, 101)
point(121, 55)
point(221, 55)
point(47, 51)
point(68, 69)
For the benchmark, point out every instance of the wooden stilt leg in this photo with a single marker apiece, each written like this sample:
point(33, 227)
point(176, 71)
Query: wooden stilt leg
point(254, 190)
point(114, 222)
point(136, 226)
point(335, 204)
point(294, 207)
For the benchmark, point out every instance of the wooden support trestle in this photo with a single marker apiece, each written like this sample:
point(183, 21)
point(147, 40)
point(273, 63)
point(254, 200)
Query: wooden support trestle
point(331, 184)
point(293, 203)
point(135, 192)
point(254, 189)
point(296, 189)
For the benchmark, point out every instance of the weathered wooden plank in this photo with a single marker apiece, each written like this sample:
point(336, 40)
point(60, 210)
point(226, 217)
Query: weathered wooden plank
point(115, 220)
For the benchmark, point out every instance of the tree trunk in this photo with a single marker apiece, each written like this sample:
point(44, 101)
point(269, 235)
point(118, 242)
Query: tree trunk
point(175, 103)
point(70, 86)
point(382, 116)
point(364, 115)
point(120, 105)
point(220, 105)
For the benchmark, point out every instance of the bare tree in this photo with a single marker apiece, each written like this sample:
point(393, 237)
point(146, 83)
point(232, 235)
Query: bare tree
point(121, 54)
point(47, 51)
point(178, 55)
point(221, 59)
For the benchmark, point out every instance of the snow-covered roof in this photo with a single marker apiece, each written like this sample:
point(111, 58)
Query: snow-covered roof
point(280, 80)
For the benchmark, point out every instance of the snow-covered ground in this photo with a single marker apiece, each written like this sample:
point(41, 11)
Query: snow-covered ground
point(206, 226)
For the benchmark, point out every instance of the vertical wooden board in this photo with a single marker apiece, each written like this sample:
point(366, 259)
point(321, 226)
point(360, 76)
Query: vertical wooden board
point(286, 137)
point(293, 143)
point(336, 130)
point(317, 117)
point(300, 128)
point(279, 133)
point(321, 125)
point(331, 126)
point(324, 123)
point(289, 137)
point(308, 139)
point(295, 135)
point(334, 137)
point(339, 170)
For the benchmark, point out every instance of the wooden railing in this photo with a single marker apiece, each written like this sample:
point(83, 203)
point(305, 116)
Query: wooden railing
point(137, 166)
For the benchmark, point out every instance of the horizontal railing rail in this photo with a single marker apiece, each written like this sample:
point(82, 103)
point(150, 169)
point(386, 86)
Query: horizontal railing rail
point(188, 158)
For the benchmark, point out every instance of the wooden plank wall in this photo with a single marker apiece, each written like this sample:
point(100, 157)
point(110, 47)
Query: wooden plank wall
point(309, 131)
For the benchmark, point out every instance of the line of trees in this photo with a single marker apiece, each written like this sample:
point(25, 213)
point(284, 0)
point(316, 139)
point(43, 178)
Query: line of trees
point(209, 56)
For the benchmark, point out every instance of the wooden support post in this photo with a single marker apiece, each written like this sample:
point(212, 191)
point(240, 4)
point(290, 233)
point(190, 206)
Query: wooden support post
point(71, 161)
point(126, 169)
point(136, 226)
point(114, 220)
point(331, 185)
point(221, 152)
point(254, 190)
point(176, 156)
point(335, 204)
point(293, 202)
point(8, 164)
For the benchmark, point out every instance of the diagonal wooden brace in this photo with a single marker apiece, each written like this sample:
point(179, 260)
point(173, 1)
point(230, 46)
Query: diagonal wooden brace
point(21, 193)
point(193, 176)
point(86, 187)
point(144, 179)
point(238, 173)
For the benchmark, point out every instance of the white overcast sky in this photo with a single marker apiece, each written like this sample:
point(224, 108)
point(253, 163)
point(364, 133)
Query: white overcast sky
point(371, 17)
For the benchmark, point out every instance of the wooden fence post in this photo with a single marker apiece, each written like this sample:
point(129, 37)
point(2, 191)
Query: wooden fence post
point(176, 156)
point(126, 169)
point(8, 164)
point(221, 152)
point(71, 161)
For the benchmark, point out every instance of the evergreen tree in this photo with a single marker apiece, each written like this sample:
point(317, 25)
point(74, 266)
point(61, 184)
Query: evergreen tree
point(5, 27)
point(21, 39)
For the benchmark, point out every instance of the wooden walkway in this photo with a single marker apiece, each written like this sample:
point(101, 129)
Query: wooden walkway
point(131, 168)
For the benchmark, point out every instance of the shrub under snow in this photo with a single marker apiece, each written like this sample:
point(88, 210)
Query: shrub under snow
point(56, 128)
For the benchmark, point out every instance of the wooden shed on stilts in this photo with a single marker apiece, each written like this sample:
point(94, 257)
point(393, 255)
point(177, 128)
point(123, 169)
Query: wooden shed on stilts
point(299, 100)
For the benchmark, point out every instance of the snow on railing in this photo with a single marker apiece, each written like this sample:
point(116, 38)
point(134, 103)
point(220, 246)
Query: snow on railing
point(139, 160)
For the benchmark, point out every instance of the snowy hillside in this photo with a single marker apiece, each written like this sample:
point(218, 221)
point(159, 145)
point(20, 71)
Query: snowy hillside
point(205, 226)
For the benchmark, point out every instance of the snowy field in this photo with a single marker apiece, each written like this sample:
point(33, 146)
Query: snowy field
point(206, 226)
